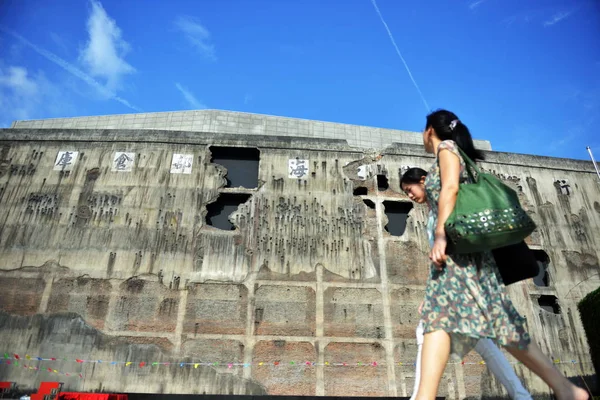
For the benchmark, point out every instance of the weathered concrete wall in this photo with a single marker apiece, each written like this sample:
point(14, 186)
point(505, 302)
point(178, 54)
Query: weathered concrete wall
point(238, 123)
point(122, 266)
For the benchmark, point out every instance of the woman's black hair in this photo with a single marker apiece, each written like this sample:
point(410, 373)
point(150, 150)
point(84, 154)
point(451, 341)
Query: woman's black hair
point(412, 175)
point(447, 126)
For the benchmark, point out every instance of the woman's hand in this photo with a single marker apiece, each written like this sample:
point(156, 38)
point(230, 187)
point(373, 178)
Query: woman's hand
point(420, 309)
point(438, 252)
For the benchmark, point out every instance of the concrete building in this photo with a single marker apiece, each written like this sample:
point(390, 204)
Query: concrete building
point(228, 253)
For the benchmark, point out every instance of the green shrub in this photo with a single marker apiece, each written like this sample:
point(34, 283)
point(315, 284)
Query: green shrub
point(589, 310)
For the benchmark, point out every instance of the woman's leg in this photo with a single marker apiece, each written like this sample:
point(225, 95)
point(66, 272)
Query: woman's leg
point(539, 364)
point(419, 334)
point(436, 351)
point(502, 370)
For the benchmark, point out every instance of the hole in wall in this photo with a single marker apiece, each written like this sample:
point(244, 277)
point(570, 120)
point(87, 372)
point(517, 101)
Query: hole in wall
point(219, 211)
point(549, 303)
point(241, 162)
point(542, 279)
point(360, 191)
point(382, 182)
point(369, 204)
point(397, 213)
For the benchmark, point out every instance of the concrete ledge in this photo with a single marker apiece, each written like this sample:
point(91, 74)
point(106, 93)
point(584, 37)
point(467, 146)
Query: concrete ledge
point(266, 141)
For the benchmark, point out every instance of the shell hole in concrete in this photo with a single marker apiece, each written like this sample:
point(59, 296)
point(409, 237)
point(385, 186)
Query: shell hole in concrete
point(543, 261)
point(369, 204)
point(397, 213)
point(219, 211)
point(382, 182)
point(360, 191)
point(241, 163)
point(549, 303)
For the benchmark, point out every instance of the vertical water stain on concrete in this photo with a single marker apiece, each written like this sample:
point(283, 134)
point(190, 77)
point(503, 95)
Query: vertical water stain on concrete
point(298, 266)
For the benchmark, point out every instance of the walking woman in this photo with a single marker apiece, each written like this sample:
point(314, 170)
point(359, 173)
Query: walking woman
point(413, 184)
point(465, 300)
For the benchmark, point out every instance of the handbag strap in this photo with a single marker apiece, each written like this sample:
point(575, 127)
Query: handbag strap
point(470, 164)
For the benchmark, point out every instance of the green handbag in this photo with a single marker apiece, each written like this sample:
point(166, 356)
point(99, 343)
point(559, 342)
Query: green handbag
point(487, 214)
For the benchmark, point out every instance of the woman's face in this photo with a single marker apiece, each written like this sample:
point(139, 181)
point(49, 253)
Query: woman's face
point(415, 191)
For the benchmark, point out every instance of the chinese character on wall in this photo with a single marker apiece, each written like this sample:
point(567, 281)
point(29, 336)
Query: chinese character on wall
point(298, 169)
point(65, 160)
point(362, 172)
point(182, 163)
point(123, 162)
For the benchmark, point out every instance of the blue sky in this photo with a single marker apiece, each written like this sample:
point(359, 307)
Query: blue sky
point(523, 74)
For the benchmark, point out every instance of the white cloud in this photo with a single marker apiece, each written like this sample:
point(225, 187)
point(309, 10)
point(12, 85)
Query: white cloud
point(475, 4)
point(105, 49)
point(17, 79)
point(539, 15)
point(556, 18)
point(19, 93)
point(26, 96)
point(71, 69)
point(189, 97)
point(247, 98)
point(197, 35)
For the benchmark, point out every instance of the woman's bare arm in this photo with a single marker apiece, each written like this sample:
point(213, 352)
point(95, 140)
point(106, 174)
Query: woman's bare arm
point(449, 175)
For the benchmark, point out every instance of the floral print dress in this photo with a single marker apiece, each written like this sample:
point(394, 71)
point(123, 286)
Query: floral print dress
point(467, 298)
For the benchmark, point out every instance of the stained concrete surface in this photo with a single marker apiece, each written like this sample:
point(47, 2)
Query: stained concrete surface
point(96, 264)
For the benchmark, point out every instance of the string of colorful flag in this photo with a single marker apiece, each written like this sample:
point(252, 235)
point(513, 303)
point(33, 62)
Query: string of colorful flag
point(15, 358)
point(16, 363)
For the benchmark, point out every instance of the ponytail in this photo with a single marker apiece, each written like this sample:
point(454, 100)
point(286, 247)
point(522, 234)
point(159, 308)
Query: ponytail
point(447, 126)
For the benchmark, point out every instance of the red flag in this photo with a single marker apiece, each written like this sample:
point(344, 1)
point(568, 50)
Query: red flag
point(78, 360)
point(142, 364)
point(17, 357)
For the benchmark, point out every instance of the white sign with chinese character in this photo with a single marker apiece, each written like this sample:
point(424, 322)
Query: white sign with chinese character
point(298, 168)
point(362, 172)
point(182, 163)
point(65, 160)
point(123, 162)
